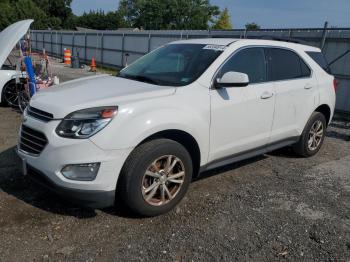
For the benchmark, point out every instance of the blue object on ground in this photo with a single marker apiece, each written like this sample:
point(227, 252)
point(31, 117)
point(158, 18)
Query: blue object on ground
point(31, 75)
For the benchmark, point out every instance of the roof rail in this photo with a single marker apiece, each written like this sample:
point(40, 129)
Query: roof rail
point(267, 37)
point(277, 38)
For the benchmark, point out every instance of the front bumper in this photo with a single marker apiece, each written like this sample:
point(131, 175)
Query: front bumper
point(87, 198)
point(59, 152)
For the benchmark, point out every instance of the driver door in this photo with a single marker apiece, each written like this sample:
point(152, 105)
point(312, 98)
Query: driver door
point(242, 117)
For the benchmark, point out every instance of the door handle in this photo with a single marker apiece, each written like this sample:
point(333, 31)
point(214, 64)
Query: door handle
point(308, 86)
point(266, 95)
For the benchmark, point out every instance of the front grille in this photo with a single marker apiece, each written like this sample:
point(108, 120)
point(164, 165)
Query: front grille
point(39, 114)
point(32, 141)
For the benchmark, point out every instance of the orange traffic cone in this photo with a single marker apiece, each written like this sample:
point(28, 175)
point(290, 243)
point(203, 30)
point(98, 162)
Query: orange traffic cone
point(67, 57)
point(93, 65)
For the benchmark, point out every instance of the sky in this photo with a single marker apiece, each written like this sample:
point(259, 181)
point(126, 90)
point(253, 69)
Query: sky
point(267, 13)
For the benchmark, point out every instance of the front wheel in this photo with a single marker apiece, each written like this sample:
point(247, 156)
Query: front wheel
point(312, 138)
point(156, 177)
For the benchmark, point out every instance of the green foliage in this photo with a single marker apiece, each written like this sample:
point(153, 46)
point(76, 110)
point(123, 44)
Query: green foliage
point(224, 21)
point(168, 14)
point(252, 26)
point(26, 9)
point(54, 14)
point(147, 14)
point(7, 14)
point(100, 20)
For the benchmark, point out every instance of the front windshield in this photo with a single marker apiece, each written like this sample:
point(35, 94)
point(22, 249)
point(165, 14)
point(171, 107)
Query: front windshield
point(173, 65)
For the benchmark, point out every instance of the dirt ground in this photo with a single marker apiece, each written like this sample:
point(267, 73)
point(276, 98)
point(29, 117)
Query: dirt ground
point(276, 207)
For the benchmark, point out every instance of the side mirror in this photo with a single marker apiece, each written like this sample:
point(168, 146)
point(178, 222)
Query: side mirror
point(232, 79)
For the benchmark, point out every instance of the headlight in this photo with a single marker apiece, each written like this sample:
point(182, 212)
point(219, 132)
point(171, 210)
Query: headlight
point(85, 123)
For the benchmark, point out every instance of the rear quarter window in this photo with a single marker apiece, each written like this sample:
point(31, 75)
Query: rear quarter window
point(319, 58)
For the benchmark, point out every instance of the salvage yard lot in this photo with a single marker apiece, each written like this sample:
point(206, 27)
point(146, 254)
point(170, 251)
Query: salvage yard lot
point(272, 207)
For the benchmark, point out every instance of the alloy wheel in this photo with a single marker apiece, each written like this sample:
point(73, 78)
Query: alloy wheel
point(316, 135)
point(11, 94)
point(163, 180)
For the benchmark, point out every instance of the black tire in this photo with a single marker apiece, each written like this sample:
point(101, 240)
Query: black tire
point(131, 183)
point(23, 100)
point(9, 95)
point(302, 147)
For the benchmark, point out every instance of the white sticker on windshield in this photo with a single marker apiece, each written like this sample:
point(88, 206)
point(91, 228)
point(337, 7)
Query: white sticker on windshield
point(215, 47)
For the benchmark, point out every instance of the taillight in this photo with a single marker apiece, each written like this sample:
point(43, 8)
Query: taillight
point(335, 84)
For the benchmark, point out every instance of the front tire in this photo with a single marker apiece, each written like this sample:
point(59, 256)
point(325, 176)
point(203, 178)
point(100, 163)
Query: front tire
point(155, 177)
point(312, 138)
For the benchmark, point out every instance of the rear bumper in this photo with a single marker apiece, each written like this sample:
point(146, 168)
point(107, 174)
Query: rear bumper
point(87, 198)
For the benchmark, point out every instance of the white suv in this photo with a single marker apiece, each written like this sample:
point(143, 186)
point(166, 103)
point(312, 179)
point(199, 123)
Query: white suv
point(186, 107)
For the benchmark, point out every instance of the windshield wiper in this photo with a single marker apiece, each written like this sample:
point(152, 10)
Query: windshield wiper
point(141, 78)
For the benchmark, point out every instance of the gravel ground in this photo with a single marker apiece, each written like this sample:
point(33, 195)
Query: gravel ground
point(270, 208)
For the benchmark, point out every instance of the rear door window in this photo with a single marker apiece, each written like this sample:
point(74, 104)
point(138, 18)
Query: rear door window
point(286, 65)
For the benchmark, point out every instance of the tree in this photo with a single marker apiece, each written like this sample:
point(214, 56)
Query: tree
point(27, 9)
point(224, 21)
point(148, 14)
point(58, 9)
point(168, 14)
point(54, 14)
point(7, 14)
point(252, 26)
point(100, 20)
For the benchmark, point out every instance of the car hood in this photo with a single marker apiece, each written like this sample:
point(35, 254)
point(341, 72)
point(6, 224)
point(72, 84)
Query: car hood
point(95, 91)
point(10, 36)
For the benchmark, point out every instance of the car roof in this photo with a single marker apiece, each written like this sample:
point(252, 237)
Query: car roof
point(261, 42)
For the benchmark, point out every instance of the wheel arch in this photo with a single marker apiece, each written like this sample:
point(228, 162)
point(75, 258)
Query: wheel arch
point(183, 138)
point(326, 111)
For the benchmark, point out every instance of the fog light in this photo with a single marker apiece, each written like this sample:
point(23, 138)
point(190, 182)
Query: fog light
point(81, 172)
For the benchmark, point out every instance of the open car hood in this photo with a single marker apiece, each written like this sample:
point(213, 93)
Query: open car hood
point(10, 36)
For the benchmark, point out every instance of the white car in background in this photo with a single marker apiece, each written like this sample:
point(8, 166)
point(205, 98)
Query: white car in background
point(187, 107)
point(9, 37)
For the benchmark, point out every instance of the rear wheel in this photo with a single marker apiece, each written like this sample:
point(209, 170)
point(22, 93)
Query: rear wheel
point(155, 177)
point(313, 136)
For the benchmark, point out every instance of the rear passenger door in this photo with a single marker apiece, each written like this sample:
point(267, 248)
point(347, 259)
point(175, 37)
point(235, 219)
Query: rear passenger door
point(295, 92)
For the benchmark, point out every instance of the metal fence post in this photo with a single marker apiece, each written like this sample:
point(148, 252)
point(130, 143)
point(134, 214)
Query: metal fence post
point(51, 42)
point(102, 44)
point(324, 36)
point(149, 43)
point(123, 43)
point(61, 43)
point(36, 41)
point(73, 43)
point(85, 48)
point(43, 41)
